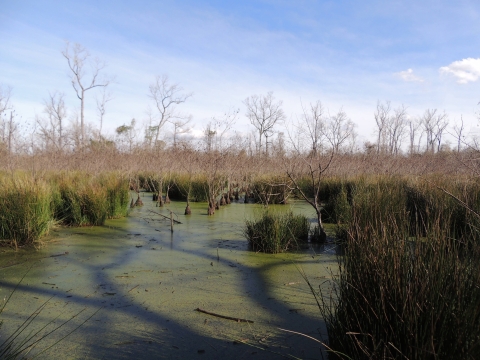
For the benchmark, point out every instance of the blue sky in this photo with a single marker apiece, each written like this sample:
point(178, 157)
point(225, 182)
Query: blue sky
point(350, 54)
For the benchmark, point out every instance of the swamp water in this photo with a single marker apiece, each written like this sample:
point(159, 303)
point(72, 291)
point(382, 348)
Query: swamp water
point(146, 283)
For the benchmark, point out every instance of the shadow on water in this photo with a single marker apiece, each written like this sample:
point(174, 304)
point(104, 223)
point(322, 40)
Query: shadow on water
point(148, 282)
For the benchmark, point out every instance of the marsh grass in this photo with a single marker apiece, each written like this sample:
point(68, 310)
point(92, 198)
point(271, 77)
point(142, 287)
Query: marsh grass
point(275, 232)
point(408, 285)
point(26, 209)
point(90, 200)
point(118, 194)
point(191, 186)
point(30, 206)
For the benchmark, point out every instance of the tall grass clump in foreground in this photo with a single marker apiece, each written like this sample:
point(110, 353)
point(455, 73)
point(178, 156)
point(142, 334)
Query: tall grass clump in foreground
point(90, 200)
point(25, 209)
point(405, 290)
point(118, 194)
point(276, 232)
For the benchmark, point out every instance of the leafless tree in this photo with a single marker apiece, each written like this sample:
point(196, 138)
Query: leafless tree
point(101, 108)
point(434, 124)
point(314, 165)
point(180, 126)
point(382, 115)
point(264, 113)
point(217, 129)
point(5, 94)
point(313, 125)
point(8, 130)
point(415, 134)
point(279, 146)
point(396, 129)
point(85, 76)
point(166, 97)
point(52, 126)
point(338, 130)
point(458, 129)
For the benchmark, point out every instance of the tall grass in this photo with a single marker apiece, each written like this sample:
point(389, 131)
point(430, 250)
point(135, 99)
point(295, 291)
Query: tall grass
point(276, 232)
point(408, 285)
point(30, 206)
point(90, 200)
point(25, 209)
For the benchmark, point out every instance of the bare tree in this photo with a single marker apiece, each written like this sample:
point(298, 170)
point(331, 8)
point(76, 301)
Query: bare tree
point(316, 167)
point(414, 125)
point(339, 129)
point(52, 127)
point(166, 97)
point(84, 77)
point(8, 130)
point(313, 126)
point(434, 124)
point(180, 126)
point(101, 108)
point(5, 94)
point(217, 128)
point(264, 113)
point(396, 129)
point(382, 115)
point(458, 129)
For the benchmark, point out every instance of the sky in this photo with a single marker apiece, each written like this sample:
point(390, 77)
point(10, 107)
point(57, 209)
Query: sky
point(348, 54)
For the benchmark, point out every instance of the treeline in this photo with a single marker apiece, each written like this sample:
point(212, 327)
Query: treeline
point(315, 130)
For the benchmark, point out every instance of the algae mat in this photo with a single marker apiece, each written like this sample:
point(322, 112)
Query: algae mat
point(130, 289)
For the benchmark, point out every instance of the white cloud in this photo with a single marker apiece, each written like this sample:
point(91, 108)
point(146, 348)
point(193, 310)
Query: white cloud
point(408, 75)
point(465, 70)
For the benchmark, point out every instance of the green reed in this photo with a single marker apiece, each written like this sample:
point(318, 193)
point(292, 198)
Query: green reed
point(276, 232)
point(408, 285)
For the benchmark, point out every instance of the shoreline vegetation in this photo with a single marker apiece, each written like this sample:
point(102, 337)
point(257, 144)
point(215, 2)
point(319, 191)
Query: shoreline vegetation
point(408, 284)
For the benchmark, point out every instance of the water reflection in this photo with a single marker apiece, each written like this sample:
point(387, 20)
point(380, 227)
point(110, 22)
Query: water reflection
point(148, 281)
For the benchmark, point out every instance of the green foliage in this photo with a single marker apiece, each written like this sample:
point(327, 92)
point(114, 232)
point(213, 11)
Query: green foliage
point(276, 232)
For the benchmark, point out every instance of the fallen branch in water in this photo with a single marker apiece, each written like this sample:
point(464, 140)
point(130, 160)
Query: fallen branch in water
point(223, 316)
point(166, 217)
point(133, 288)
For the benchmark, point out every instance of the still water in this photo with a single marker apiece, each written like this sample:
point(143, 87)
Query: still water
point(130, 289)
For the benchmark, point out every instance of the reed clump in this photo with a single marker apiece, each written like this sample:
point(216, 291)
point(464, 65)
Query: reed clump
point(408, 284)
point(26, 209)
point(276, 232)
point(32, 205)
point(90, 200)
